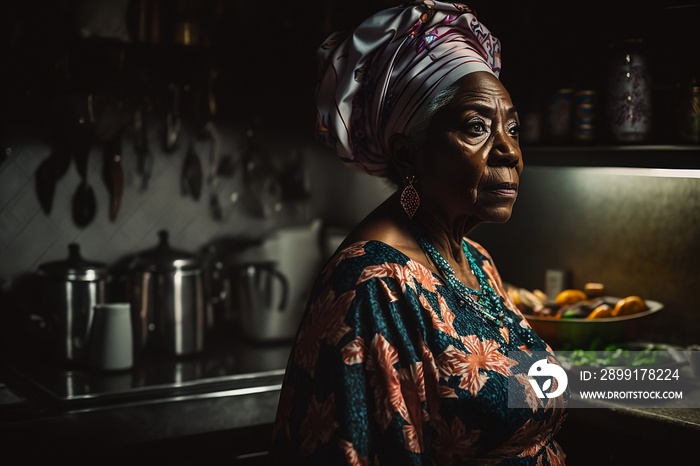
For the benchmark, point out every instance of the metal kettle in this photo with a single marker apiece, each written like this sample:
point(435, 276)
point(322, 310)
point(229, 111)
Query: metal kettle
point(167, 300)
point(262, 291)
point(71, 289)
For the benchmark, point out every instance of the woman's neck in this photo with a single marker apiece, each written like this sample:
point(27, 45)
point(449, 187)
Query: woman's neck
point(446, 236)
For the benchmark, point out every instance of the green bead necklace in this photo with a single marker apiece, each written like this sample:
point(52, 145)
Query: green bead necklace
point(490, 305)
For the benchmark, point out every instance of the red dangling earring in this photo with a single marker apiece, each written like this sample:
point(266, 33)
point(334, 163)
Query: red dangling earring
point(410, 199)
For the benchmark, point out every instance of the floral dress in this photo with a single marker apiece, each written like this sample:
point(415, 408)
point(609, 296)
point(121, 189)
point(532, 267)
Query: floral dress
point(389, 369)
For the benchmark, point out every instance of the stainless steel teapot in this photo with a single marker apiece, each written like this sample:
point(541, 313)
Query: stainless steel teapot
point(70, 290)
point(167, 300)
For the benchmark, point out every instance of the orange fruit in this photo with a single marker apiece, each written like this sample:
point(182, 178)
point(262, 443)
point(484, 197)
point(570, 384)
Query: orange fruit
point(601, 311)
point(570, 296)
point(629, 305)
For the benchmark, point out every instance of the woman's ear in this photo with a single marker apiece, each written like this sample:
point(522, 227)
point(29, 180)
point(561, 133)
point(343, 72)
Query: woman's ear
point(402, 155)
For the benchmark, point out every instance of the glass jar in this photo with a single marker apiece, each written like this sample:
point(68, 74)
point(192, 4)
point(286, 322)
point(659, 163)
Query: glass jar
point(629, 106)
point(586, 110)
point(689, 112)
point(559, 110)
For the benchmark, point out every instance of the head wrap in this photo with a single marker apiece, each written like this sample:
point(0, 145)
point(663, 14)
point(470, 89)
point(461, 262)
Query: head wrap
point(375, 78)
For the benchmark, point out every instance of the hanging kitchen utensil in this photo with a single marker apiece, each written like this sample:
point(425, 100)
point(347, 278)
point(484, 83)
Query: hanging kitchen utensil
point(228, 164)
point(112, 174)
point(205, 127)
point(84, 200)
point(65, 126)
point(45, 178)
point(214, 155)
point(173, 122)
point(144, 165)
point(211, 128)
point(262, 191)
point(268, 191)
point(215, 208)
point(112, 120)
point(226, 185)
point(191, 178)
point(49, 172)
point(204, 106)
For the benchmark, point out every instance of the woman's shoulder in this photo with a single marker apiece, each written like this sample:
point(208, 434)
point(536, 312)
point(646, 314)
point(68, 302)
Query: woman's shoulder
point(356, 262)
point(374, 264)
point(382, 236)
point(372, 258)
point(369, 252)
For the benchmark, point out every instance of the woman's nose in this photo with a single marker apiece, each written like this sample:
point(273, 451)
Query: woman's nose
point(506, 150)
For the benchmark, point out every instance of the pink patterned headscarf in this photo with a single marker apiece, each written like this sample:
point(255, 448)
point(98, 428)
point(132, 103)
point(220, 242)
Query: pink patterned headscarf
point(375, 78)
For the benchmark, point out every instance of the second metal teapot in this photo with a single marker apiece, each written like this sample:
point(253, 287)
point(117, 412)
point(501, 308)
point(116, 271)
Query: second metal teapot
point(167, 299)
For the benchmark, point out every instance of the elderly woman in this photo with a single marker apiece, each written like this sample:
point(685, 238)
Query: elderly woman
point(405, 354)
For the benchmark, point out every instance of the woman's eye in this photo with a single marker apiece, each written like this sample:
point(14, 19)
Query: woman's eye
point(475, 128)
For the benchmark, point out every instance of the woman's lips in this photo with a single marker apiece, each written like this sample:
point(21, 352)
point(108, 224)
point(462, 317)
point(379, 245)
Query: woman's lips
point(502, 190)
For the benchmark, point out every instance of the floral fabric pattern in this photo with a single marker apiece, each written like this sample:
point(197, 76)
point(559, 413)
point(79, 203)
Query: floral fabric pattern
point(388, 369)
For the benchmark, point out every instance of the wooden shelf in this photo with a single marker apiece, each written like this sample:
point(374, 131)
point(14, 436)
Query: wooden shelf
point(641, 156)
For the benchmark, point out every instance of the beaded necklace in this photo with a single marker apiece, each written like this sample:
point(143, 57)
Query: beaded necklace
point(490, 305)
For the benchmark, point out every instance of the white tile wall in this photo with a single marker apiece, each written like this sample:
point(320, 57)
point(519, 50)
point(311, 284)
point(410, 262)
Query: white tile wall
point(29, 238)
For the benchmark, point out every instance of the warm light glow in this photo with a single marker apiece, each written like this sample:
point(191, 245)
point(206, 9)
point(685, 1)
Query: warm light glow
point(635, 171)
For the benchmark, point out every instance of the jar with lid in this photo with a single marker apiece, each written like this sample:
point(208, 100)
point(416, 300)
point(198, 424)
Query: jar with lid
point(585, 113)
point(559, 114)
point(531, 116)
point(689, 112)
point(629, 108)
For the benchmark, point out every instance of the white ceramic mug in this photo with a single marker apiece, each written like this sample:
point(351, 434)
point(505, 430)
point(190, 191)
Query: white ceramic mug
point(111, 340)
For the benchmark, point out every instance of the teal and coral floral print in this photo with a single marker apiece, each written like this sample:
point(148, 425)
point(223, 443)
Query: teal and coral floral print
point(389, 369)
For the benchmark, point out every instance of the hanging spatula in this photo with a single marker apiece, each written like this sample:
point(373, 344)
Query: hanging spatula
point(113, 174)
point(191, 178)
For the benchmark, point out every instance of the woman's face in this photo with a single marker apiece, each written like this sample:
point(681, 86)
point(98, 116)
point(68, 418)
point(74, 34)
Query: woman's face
point(471, 163)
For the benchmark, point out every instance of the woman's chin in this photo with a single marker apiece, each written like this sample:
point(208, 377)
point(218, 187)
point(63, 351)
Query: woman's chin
point(498, 215)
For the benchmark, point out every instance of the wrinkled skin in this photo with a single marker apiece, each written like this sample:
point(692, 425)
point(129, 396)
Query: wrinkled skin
point(471, 165)
point(467, 174)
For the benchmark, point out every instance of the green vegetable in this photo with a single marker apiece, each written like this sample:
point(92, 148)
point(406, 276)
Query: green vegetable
point(612, 355)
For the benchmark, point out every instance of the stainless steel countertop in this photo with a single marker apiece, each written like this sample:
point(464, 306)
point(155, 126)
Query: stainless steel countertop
point(232, 385)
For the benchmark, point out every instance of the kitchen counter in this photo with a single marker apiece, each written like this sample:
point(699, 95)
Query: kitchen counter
point(225, 400)
point(680, 416)
point(622, 435)
point(634, 432)
point(168, 405)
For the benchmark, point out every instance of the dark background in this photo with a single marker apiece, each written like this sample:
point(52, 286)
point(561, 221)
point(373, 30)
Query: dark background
point(266, 51)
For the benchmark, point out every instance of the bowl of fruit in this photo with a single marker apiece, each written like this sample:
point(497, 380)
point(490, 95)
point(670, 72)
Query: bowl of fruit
point(586, 319)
